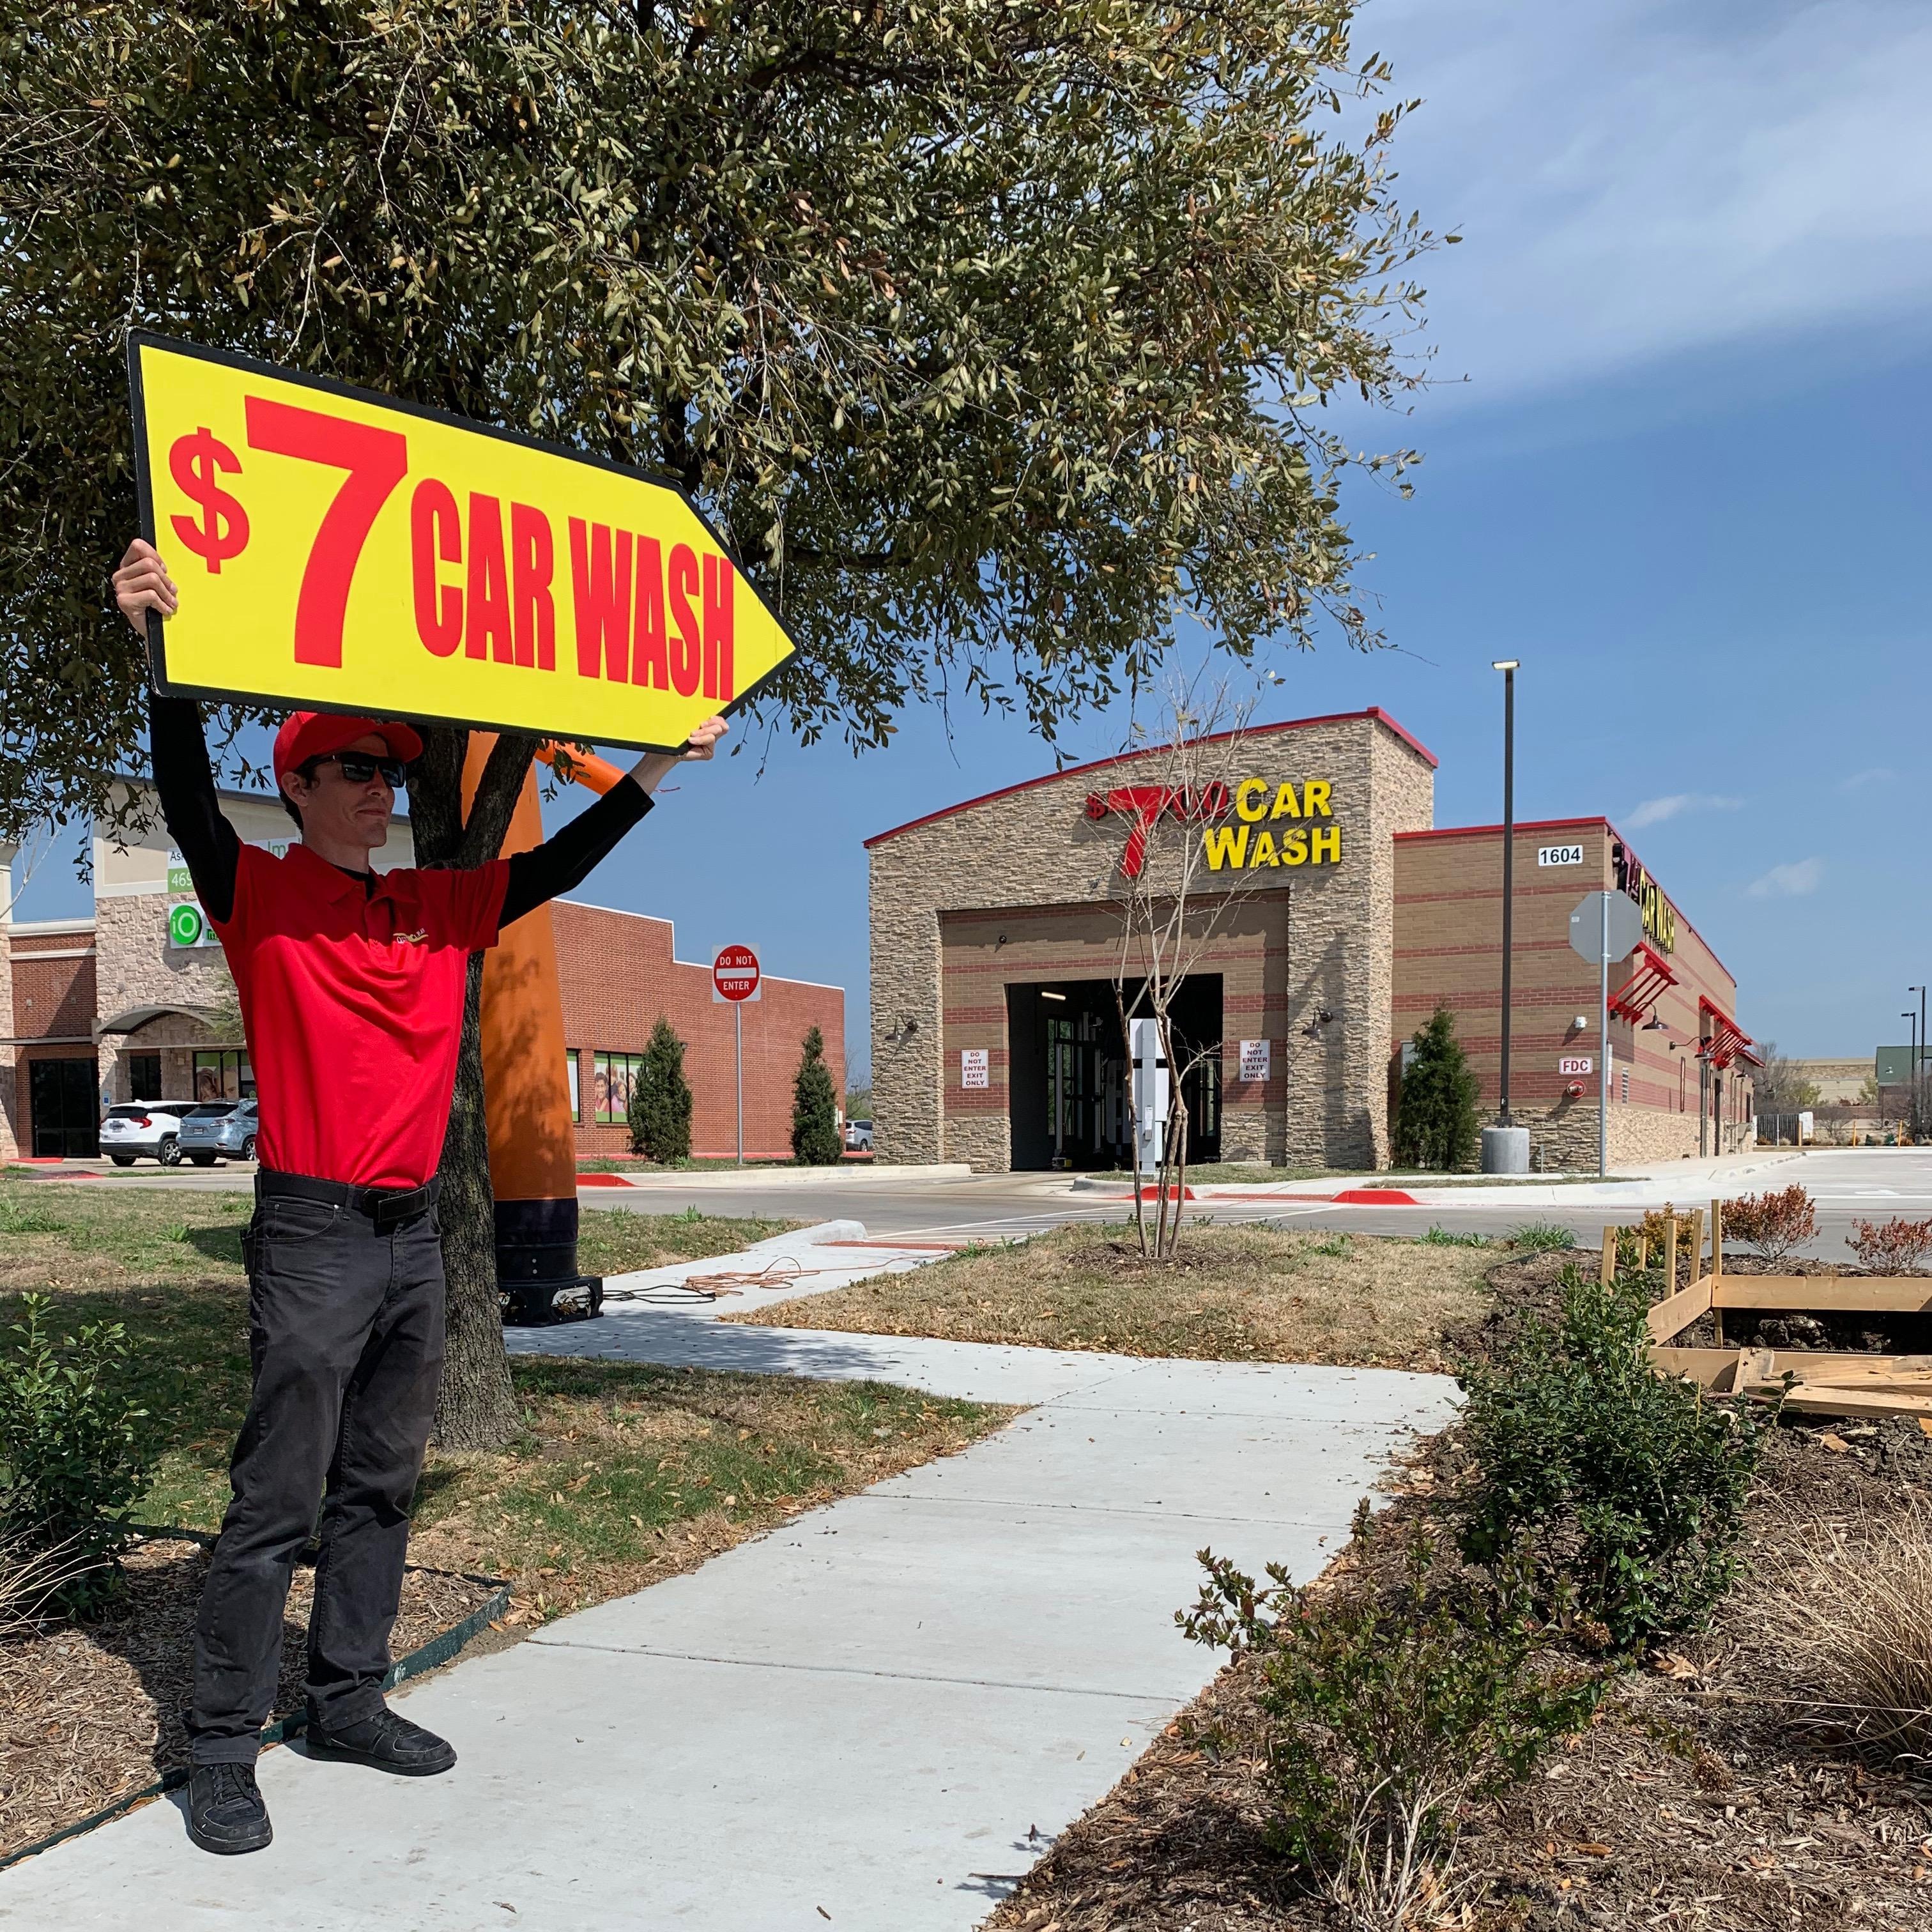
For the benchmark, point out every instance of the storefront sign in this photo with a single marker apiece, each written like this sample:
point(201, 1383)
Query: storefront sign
point(1576, 1064)
point(338, 550)
point(1245, 846)
point(1256, 841)
point(188, 927)
point(1660, 916)
point(974, 1069)
point(1255, 1056)
point(1559, 855)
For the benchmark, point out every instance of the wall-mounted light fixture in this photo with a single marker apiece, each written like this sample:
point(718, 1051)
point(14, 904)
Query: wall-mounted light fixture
point(1320, 1019)
point(999, 942)
point(903, 1031)
point(1048, 993)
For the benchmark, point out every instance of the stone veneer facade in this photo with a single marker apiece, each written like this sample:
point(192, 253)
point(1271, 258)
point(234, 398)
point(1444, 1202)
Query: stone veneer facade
point(1022, 887)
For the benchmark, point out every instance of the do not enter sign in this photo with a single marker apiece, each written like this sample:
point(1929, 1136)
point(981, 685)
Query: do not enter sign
point(734, 974)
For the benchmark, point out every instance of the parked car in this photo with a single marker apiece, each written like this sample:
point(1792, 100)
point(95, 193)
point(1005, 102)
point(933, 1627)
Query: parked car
point(858, 1136)
point(220, 1127)
point(149, 1127)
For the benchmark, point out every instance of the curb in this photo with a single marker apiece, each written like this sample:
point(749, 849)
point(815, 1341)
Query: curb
point(677, 1179)
point(438, 1651)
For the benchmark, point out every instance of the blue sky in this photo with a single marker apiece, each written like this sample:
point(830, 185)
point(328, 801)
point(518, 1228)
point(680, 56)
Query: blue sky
point(1676, 462)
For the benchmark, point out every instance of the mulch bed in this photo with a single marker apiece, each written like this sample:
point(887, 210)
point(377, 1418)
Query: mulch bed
point(1692, 1802)
point(91, 1711)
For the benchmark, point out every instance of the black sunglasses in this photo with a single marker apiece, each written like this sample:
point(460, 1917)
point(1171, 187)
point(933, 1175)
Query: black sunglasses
point(359, 768)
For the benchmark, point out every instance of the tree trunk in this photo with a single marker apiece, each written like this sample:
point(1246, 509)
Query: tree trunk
point(476, 1408)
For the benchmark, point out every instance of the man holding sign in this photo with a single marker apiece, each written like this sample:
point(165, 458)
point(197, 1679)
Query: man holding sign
point(351, 986)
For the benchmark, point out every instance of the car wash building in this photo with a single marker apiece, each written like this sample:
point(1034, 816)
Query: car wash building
point(997, 927)
point(1327, 920)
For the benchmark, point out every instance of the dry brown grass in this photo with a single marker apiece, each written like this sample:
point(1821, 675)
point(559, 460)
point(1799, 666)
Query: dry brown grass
point(1233, 1293)
point(1850, 1605)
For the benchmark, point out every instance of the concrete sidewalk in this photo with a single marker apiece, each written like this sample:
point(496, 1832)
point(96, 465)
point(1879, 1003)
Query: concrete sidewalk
point(878, 1716)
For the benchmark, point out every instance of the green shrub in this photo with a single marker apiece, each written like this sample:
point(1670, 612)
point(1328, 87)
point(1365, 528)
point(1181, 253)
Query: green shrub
point(1388, 1711)
point(1435, 1125)
point(659, 1114)
point(1541, 1237)
point(1621, 1489)
point(72, 1460)
point(815, 1138)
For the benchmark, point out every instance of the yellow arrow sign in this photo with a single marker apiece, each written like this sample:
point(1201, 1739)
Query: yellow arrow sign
point(339, 551)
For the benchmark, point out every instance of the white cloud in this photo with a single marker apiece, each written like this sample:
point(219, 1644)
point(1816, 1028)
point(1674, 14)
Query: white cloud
point(1788, 882)
point(1877, 775)
point(1637, 179)
point(1655, 810)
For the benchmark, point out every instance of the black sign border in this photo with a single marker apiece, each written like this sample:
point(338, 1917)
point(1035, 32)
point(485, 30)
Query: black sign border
point(139, 339)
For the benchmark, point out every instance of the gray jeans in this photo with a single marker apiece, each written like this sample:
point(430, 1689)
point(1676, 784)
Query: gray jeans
point(345, 1331)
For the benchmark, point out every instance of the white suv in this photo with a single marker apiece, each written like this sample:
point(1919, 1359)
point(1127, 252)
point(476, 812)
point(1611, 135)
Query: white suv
point(150, 1127)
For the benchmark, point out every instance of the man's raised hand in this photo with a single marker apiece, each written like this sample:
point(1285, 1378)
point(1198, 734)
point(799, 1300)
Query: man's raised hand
point(142, 584)
point(654, 767)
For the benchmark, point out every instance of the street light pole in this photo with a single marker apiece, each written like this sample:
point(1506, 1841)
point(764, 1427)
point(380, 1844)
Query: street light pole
point(1917, 1046)
point(1918, 1063)
point(1508, 666)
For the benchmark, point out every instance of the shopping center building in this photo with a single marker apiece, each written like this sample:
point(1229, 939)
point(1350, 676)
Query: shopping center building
point(136, 1004)
point(1325, 919)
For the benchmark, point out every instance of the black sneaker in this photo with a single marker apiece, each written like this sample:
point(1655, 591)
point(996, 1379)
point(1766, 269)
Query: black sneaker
point(225, 1811)
point(386, 1741)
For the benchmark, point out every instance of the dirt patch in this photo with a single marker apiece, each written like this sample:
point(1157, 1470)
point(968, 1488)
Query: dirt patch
point(90, 1711)
point(1234, 1294)
point(1696, 1799)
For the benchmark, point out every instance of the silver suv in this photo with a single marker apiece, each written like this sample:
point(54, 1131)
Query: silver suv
point(149, 1127)
point(214, 1127)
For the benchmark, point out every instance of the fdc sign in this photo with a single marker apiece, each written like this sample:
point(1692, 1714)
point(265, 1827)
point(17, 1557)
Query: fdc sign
point(340, 550)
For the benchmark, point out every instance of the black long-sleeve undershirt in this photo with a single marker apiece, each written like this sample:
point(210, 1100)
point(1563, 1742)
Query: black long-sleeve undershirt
point(212, 850)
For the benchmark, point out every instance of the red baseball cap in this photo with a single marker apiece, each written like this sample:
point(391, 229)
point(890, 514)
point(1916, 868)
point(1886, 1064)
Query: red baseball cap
point(314, 734)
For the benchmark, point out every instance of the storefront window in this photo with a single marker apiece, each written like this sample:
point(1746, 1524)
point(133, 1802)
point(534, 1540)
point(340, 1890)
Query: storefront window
point(224, 1076)
point(612, 1081)
point(576, 1099)
point(144, 1076)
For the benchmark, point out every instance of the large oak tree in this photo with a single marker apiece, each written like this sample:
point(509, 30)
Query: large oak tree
point(994, 334)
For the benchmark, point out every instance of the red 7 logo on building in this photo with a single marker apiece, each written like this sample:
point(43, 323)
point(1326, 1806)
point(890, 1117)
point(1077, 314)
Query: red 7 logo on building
point(1145, 804)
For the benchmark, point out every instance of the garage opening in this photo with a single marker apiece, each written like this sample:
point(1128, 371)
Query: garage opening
point(1068, 1073)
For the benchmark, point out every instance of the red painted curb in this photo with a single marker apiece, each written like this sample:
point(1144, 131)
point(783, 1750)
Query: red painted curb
point(601, 1181)
point(1376, 1197)
point(1154, 1194)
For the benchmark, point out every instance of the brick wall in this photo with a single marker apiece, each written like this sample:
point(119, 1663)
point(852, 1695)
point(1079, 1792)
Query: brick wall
point(1307, 939)
point(48, 1009)
point(1448, 922)
point(618, 973)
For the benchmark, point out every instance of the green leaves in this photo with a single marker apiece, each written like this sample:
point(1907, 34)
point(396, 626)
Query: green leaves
point(974, 326)
point(72, 1459)
point(1622, 1489)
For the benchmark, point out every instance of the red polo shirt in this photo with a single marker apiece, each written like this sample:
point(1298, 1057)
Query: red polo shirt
point(353, 1003)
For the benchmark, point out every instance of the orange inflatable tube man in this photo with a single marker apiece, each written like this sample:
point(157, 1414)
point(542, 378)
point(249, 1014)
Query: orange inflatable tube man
point(527, 1084)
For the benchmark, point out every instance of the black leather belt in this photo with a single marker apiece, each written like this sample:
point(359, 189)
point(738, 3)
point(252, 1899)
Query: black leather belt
point(387, 1206)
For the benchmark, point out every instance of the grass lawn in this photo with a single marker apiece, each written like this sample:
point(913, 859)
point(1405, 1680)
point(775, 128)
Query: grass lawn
point(1235, 1294)
point(624, 1472)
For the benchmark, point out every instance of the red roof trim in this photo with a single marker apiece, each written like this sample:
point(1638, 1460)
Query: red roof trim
point(1374, 712)
point(1521, 825)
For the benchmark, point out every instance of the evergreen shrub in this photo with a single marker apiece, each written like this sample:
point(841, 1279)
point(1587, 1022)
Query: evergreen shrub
point(815, 1138)
point(659, 1114)
point(1435, 1126)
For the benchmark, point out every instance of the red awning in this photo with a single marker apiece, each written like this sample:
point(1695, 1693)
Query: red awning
point(1723, 1040)
point(1650, 974)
